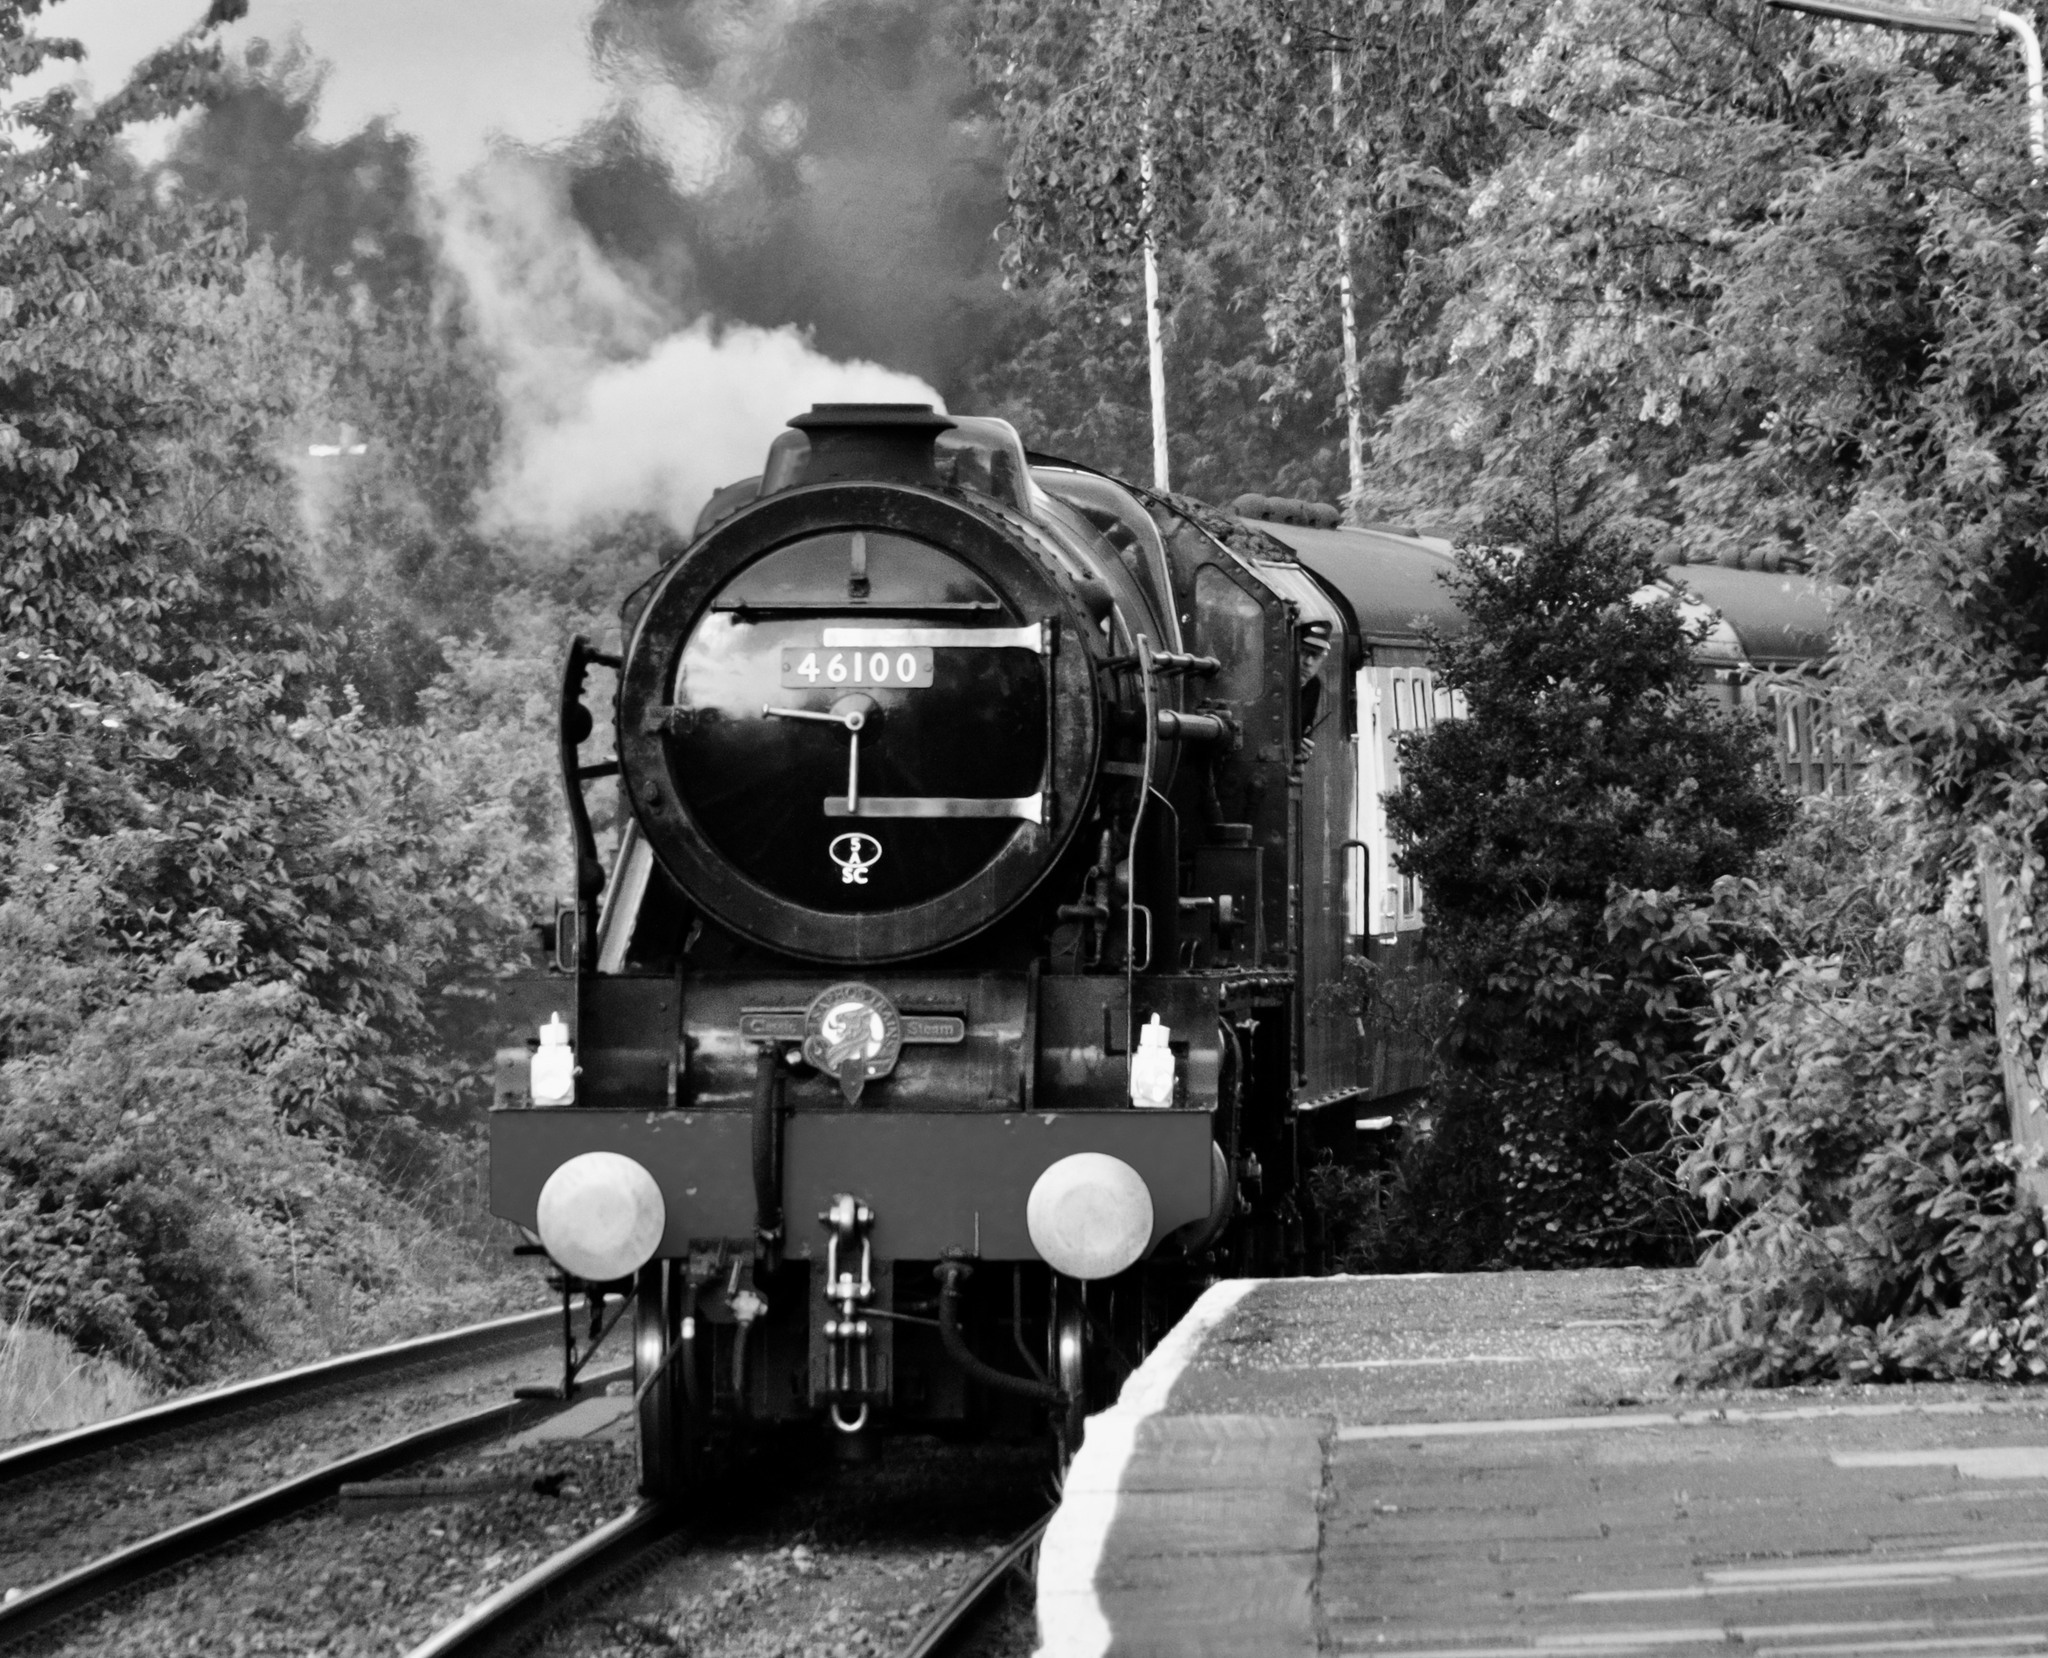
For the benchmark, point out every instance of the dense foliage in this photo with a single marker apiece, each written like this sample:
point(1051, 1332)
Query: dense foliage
point(1775, 286)
point(1070, 374)
point(1851, 1132)
point(1555, 828)
point(1265, 149)
point(251, 854)
point(1770, 289)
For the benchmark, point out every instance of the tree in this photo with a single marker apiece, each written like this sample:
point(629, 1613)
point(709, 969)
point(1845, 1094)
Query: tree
point(1774, 285)
point(155, 593)
point(1070, 374)
point(1701, 262)
point(1555, 828)
point(1219, 132)
point(86, 263)
point(346, 303)
point(221, 895)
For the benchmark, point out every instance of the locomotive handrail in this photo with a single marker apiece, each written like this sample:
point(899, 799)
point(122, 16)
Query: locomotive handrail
point(1194, 728)
point(1031, 637)
point(1148, 686)
point(743, 608)
point(1169, 662)
point(575, 726)
point(1029, 807)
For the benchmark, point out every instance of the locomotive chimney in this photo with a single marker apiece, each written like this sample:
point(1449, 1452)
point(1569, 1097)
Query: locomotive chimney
point(864, 441)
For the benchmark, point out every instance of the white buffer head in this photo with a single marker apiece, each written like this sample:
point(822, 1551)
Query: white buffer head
point(1090, 1215)
point(601, 1216)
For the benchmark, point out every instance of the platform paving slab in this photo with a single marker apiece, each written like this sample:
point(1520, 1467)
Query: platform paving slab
point(1497, 1465)
point(1820, 1536)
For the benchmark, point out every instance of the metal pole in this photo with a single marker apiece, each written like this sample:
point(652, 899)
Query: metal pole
point(1354, 421)
point(2030, 48)
point(1887, 14)
point(2008, 994)
point(1154, 335)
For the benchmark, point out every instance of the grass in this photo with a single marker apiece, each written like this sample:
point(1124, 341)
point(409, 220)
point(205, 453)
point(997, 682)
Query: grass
point(46, 1385)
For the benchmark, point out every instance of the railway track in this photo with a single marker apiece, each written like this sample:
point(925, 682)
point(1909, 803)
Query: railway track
point(31, 1611)
point(285, 1387)
point(516, 1617)
point(518, 1613)
point(164, 1592)
point(954, 1622)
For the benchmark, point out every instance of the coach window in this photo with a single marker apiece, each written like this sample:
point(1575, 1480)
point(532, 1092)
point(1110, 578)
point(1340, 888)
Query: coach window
point(1404, 715)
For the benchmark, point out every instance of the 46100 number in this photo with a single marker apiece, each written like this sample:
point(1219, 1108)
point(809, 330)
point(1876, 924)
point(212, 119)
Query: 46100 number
point(807, 667)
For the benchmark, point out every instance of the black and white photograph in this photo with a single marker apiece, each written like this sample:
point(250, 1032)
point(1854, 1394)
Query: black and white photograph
point(1023, 829)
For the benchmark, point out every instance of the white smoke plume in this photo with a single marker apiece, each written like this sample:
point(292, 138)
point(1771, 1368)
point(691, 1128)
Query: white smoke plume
point(612, 405)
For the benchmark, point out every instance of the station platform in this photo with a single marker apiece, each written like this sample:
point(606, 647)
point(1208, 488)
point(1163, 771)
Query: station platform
point(1492, 1465)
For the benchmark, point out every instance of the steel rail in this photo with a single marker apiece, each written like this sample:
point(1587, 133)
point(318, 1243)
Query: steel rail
point(99, 1437)
point(516, 1612)
point(78, 1590)
point(953, 1620)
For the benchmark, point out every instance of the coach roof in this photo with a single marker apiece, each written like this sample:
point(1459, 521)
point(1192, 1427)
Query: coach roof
point(1394, 581)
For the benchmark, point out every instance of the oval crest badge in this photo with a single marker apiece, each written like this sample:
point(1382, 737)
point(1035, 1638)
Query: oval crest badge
point(852, 1032)
point(855, 854)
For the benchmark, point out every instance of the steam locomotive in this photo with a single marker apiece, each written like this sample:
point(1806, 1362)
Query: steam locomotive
point(950, 1009)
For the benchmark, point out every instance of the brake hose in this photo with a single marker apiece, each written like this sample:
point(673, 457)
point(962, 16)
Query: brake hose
point(950, 1275)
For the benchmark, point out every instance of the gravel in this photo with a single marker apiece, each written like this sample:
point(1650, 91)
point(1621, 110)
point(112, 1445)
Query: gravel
point(849, 1561)
point(328, 1584)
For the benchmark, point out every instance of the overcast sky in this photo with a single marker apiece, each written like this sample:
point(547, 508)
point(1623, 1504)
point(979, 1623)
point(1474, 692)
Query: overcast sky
point(451, 72)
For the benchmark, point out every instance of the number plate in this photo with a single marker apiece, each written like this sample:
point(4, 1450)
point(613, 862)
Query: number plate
point(814, 668)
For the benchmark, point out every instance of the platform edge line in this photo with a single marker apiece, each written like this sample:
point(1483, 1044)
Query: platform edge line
point(1071, 1621)
point(1723, 1417)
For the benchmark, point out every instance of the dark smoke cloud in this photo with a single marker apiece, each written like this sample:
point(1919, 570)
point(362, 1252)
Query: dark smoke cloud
point(350, 211)
point(821, 163)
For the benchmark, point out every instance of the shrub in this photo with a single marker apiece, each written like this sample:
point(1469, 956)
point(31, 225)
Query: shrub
point(1850, 1130)
point(169, 1192)
point(231, 900)
point(1560, 831)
